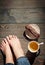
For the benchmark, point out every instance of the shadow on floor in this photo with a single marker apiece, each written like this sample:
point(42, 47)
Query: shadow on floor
point(44, 62)
point(31, 56)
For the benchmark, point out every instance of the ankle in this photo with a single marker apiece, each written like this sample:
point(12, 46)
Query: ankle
point(19, 53)
point(9, 60)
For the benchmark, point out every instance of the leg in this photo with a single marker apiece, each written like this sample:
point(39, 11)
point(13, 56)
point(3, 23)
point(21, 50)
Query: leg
point(16, 46)
point(7, 51)
point(18, 51)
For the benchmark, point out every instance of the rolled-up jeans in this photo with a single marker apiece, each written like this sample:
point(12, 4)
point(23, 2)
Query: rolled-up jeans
point(21, 61)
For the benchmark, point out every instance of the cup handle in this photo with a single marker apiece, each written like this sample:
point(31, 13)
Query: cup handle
point(37, 53)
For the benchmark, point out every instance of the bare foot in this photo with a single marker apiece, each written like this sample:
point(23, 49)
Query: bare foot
point(16, 46)
point(7, 51)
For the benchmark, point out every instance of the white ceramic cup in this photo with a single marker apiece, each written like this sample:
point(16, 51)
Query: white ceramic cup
point(33, 46)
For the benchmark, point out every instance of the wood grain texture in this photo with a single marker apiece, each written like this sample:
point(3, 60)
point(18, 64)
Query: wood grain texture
point(18, 29)
point(22, 15)
point(22, 11)
point(21, 3)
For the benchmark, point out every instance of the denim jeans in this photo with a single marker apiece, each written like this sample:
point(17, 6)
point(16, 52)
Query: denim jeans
point(21, 61)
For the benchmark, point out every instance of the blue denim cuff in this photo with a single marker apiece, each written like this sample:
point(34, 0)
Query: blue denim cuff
point(9, 64)
point(22, 61)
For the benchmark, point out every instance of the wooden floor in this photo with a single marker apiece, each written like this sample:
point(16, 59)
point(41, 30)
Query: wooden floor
point(18, 29)
point(22, 11)
point(21, 3)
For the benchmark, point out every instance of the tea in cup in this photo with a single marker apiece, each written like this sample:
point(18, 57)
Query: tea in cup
point(33, 46)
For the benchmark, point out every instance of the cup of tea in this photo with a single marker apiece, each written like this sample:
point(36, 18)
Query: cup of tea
point(33, 46)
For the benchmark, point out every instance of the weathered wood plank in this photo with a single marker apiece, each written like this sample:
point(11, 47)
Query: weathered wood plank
point(21, 3)
point(23, 15)
point(22, 11)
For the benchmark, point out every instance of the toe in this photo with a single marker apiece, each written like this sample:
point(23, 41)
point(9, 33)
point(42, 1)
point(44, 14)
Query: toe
point(8, 39)
point(5, 40)
point(15, 36)
point(10, 36)
point(3, 43)
point(0, 48)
